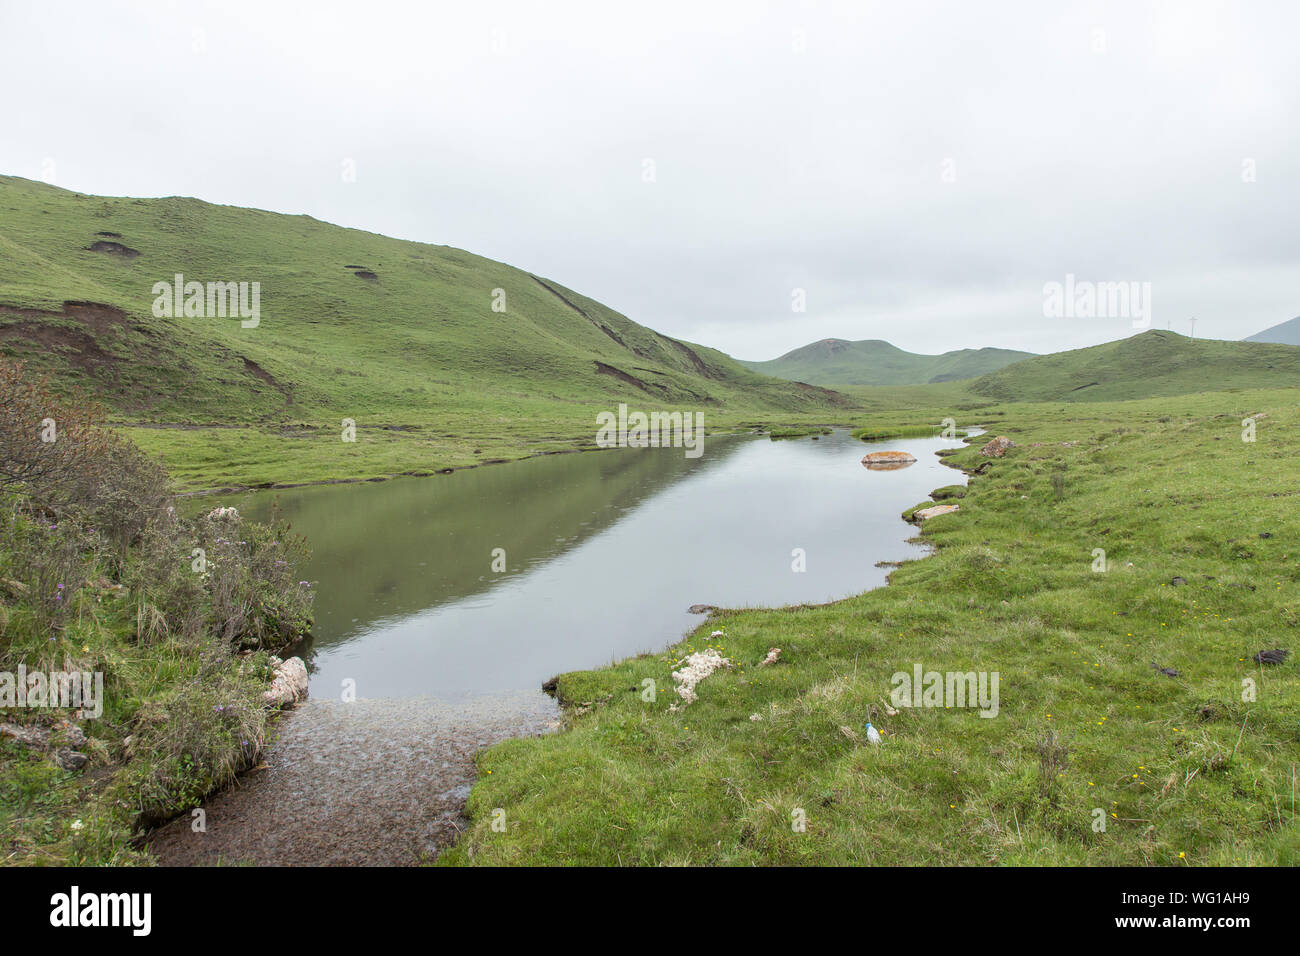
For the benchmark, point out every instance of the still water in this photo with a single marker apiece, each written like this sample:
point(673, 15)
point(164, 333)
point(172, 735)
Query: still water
point(603, 553)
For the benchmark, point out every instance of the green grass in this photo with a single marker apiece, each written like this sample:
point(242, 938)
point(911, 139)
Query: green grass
point(804, 431)
point(1151, 364)
point(161, 694)
point(1183, 770)
point(836, 362)
point(886, 432)
point(419, 348)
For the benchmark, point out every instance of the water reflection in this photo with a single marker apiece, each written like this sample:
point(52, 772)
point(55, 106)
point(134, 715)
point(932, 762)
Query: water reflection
point(603, 553)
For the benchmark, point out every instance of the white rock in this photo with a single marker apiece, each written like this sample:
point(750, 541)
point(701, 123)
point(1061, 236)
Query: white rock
point(933, 512)
point(289, 685)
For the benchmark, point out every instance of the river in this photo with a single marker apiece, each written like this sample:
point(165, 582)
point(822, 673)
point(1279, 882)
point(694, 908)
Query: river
point(443, 603)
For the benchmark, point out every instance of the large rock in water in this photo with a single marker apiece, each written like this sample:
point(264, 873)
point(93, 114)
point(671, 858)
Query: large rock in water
point(289, 686)
point(887, 460)
point(997, 447)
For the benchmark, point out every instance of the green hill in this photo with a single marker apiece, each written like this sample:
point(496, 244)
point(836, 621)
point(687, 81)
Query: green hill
point(875, 362)
point(350, 320)
point(1286, 333)
point(1151, 364)
point(477, 357)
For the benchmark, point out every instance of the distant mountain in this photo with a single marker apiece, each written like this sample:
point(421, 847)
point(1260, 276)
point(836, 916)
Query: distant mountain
point(1147, 365)
point(1288, 333)
point(875, 362)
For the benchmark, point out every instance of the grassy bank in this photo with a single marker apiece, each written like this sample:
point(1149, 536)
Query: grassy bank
point(885, 433)
point(1199, 531)
point(173, 621)
point(205, 457)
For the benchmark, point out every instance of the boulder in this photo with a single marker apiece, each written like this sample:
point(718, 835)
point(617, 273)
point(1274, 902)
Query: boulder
point(289, 686)
point(33, 736)
point(69, 759)
point(997, 447)
point(922, 514)
point(887, 460)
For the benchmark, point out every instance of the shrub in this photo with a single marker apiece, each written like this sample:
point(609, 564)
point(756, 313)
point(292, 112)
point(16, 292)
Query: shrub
point(65, 461)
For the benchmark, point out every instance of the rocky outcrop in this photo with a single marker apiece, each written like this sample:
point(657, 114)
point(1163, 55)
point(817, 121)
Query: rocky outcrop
point(997, 447)
point(63, 741)
point(289, 686)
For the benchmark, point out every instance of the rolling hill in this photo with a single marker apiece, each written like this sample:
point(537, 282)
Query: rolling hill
point(1148, 365)
point(875, 362)
point(351, 323)
point(1286, 333)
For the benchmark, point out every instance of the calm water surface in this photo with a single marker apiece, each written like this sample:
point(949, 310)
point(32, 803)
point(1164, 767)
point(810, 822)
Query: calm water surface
point(603, 552)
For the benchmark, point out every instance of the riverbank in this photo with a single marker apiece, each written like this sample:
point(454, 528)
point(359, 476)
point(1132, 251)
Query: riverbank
point(1094, 756)
point(223, 459)
point(136, 643)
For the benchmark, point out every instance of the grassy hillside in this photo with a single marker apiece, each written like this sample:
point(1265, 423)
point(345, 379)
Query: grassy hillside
point(1147, 365)
point(399, 336)
point(1286, 333)
point(837, 362)
point(1198, 529)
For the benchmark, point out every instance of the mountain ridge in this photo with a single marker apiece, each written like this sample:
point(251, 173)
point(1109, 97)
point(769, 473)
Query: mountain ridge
point(835, 361)
point(1284, 333)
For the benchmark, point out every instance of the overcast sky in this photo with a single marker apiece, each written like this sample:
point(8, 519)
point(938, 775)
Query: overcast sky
point(920, 169)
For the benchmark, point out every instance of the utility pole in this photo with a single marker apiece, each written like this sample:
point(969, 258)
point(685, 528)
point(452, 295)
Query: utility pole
point(1193, 326)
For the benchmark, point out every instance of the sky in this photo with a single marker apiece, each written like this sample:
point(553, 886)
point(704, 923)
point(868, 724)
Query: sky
point(749, 176)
